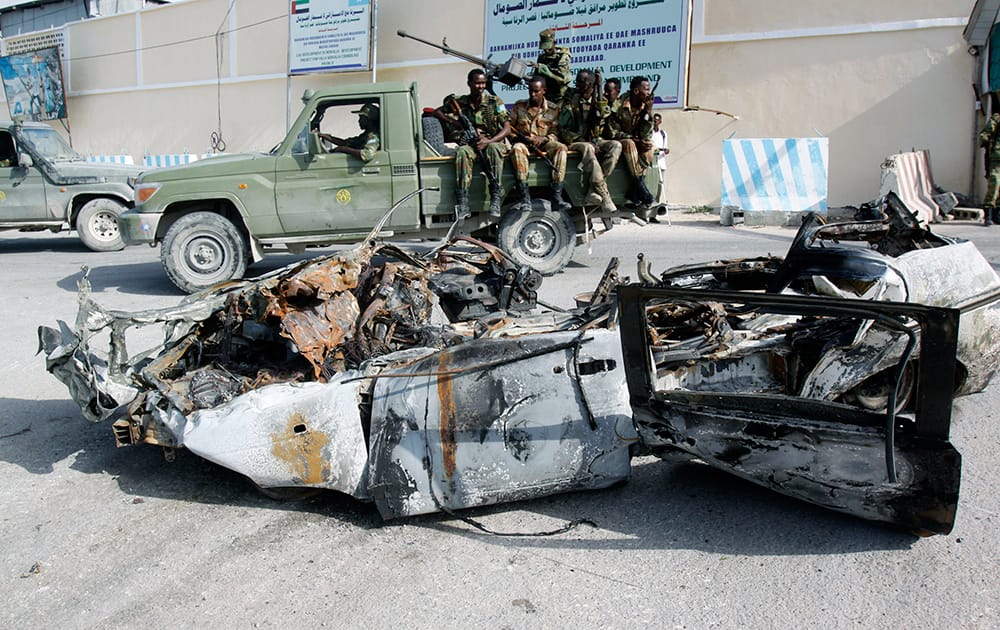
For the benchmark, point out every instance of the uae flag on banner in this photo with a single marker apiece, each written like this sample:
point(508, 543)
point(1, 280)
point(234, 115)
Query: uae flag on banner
point(300, 6)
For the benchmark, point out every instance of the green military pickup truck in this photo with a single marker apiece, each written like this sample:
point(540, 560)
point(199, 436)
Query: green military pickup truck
point(46, 185)
point(213, 217)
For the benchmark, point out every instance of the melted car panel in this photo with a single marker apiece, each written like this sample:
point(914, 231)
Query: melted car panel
point(435, 382)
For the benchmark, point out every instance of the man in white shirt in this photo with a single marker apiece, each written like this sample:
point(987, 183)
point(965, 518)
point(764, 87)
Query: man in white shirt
point(662, 148)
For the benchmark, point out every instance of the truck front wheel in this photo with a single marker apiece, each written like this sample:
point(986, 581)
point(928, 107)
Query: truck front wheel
point(202, 249)
point(97, 225)
point(542, 238)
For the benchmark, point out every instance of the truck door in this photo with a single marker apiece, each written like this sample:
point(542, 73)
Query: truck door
point(322, 192)
point(22, 188)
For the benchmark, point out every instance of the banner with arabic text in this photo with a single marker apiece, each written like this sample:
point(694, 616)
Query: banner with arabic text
point(621, 38)
point(329, 36)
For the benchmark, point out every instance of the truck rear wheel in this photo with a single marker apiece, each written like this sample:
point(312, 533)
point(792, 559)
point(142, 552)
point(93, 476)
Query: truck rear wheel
point(202, 249)
point(543, 238)
point(97, 225)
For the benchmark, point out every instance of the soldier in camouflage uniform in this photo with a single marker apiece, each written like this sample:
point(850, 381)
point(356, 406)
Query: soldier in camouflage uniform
point(553, 66)
point(489, 116)
point(365, 144)
point(581, 122)
point(989, 141)
point(612, 91)
point(536, 122)
point(632, 126)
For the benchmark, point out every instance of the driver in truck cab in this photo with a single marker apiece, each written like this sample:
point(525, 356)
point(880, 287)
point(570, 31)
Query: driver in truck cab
point(363, 145)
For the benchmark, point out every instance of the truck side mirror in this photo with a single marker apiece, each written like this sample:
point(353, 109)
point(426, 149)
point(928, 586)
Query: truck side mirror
point(24, 159)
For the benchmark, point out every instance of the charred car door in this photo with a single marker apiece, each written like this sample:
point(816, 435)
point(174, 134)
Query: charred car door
point(729, 377)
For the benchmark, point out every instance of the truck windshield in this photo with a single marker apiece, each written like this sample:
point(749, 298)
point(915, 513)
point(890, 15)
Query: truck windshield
point(50, 145)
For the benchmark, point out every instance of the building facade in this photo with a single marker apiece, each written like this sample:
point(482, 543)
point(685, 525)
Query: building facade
point(873, 78)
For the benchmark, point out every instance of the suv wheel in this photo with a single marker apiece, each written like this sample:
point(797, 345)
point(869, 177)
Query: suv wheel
point(541, 238)
point(202, 249)
point(97, 225)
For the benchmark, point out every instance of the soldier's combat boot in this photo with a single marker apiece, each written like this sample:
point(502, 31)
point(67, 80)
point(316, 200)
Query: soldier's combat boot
point(996, 215)
point(607, 203)
point(525, 202)
point(462, 204)
point(593, 198)
point(496, 198)
point(557, 198)
point(987, 216)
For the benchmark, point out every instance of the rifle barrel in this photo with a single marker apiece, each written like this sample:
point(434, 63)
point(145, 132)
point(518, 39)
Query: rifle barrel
point(447, 49)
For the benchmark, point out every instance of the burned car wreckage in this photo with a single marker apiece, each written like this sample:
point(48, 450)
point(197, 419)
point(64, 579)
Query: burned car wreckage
point(436, 382)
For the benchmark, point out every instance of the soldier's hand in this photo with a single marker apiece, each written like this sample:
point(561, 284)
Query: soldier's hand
point(644, 145)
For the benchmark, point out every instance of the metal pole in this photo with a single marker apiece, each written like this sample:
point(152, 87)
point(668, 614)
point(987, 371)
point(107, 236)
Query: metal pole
point(374, 36)
point(288, 75)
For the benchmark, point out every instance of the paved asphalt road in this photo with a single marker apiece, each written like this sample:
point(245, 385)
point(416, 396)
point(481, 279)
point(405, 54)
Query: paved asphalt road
point(99, 537)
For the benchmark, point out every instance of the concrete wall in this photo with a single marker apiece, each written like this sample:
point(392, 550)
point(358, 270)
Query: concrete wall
point(875, 77)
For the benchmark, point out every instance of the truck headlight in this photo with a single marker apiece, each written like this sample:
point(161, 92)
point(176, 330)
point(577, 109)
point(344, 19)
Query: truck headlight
point(144, 191)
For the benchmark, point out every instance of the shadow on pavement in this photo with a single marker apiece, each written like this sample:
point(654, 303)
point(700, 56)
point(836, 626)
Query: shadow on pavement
point(35, 435)
point(12, 244)
point(679, 504)
point(144, 278)
point(672, 504)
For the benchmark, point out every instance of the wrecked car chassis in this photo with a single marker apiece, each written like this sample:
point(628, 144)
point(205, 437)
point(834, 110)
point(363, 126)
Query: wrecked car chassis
point(428, 383)
point(883, 466)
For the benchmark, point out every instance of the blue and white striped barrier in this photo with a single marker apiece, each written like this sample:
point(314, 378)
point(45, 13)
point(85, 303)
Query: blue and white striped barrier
point(783, 174)
point(110, 159)
point(168, 159)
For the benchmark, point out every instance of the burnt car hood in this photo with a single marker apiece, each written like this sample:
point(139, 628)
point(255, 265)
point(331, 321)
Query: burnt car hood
point(436, 383)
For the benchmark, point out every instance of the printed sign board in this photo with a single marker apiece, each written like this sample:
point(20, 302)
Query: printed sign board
point(330, 36)
point(33, 84)
point(621, 38)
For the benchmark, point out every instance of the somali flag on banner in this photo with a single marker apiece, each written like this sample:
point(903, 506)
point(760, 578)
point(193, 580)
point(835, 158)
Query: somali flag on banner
point(300, 6)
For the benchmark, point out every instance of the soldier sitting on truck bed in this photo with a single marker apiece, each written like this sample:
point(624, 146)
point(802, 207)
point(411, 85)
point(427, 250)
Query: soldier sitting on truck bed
point(632, 125)
point(490, 121)
point(581, 122)
point(535, 122)
point(365, 144)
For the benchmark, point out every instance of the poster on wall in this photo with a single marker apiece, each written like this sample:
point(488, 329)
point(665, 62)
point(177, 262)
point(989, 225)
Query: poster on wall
point(33, 84)
point(330, 36)
point(621, 38)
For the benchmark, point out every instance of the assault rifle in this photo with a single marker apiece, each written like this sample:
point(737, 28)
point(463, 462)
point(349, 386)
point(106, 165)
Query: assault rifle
point(510, 73)
point(470, 137)
point(526, 141)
